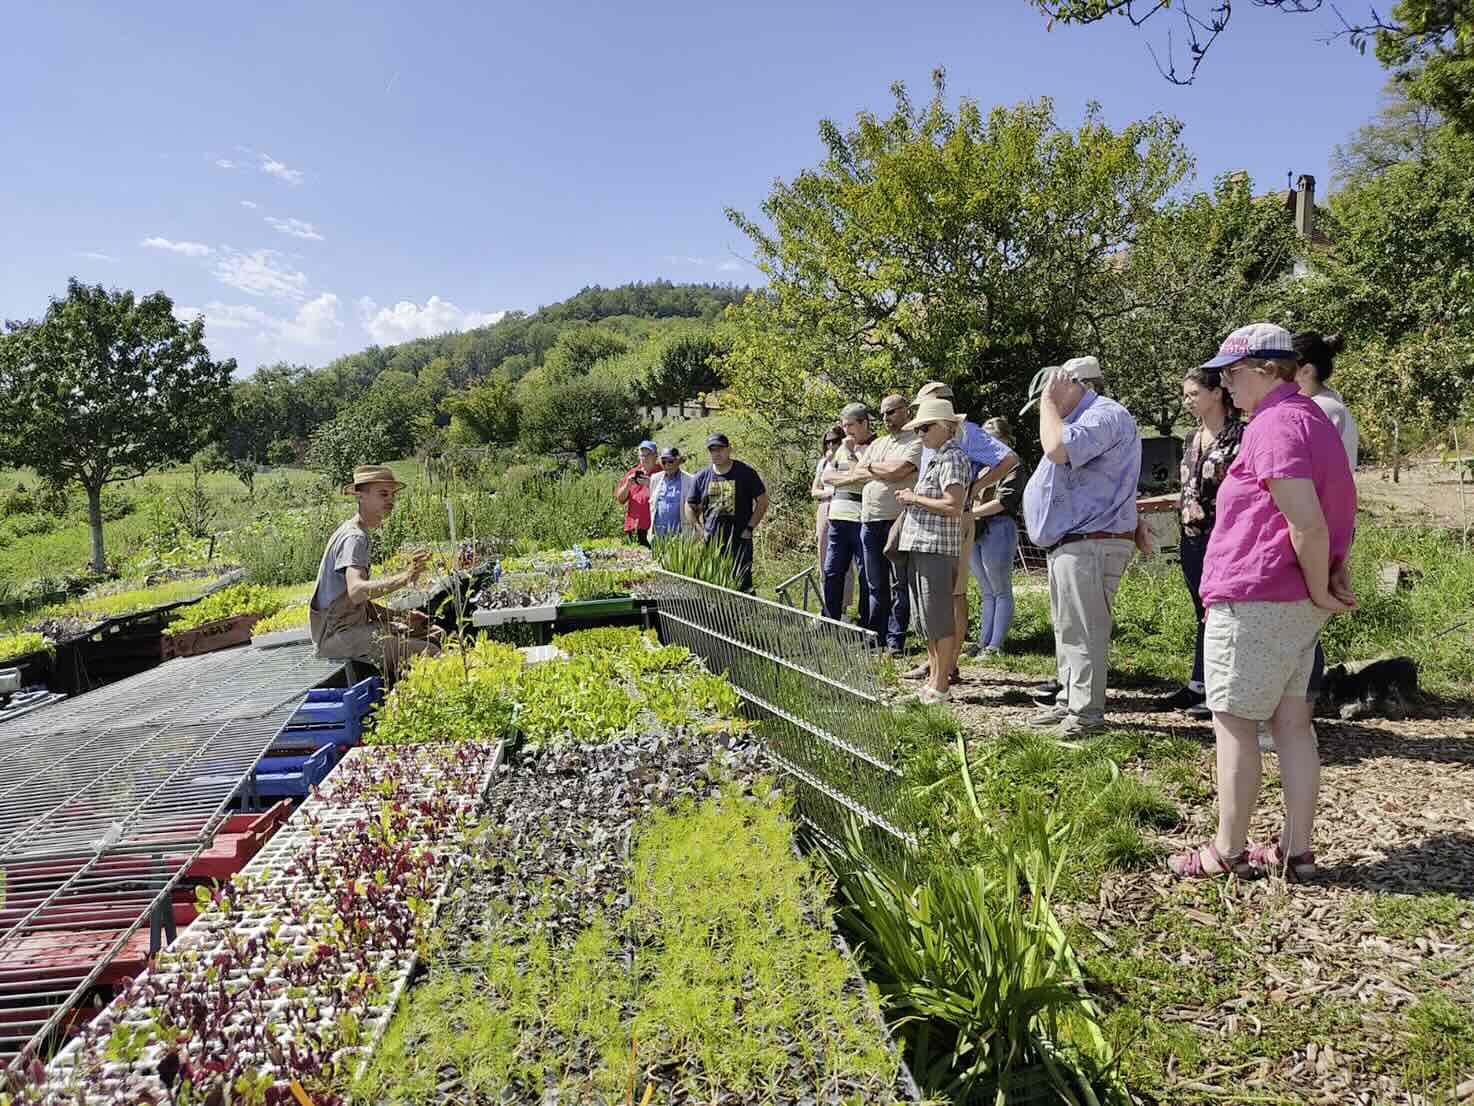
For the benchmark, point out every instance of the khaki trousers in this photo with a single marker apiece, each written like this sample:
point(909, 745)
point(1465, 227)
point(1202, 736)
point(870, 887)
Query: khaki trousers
point(1083, 577)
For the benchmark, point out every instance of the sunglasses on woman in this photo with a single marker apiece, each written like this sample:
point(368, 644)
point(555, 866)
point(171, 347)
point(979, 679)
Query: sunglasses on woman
point(924, 427)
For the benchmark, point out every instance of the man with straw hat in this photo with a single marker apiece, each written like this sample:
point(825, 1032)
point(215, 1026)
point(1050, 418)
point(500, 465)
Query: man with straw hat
point(1080, 507)
point(344, 622)
point(930, 542)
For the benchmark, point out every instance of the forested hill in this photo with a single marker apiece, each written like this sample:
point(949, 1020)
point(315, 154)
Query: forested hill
point(279, 407)
point(517, 343)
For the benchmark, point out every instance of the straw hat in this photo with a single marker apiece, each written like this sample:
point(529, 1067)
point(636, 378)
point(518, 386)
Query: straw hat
point(364, 475)
point(934, 410)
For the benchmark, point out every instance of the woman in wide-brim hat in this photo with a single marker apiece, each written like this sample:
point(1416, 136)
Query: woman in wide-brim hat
point(931, 538)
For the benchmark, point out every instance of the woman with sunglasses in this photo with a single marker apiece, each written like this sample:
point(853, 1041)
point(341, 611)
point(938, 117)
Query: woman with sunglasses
point(822, 494)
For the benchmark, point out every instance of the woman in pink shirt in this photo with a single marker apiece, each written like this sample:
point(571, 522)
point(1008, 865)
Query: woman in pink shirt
point(1275, 571)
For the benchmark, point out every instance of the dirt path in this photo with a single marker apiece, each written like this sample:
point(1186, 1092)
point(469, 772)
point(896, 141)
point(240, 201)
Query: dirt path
point(1427, 493)
point(1358, 988)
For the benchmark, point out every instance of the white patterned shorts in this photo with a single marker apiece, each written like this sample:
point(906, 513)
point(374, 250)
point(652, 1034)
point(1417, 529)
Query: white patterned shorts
point(1255, 654)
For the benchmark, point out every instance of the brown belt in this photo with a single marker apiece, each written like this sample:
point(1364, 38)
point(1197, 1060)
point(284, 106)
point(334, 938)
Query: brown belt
point(1095, 535)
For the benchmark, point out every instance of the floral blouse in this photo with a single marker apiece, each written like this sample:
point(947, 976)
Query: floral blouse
point(1202, 472)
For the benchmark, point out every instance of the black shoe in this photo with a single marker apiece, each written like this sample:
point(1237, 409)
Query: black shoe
point(1046, 694)
point(1199, 713)
point(1180, 699)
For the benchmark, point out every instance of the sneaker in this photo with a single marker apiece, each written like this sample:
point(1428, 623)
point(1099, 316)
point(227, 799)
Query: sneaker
point(920, 672)
point(1046, 695)
point(1051, 716)
point(932, 695)
point(893, 650)
point(972, 649)
point(989, 652)
point(1180, 699)
point(1075, 726)
point(1199, 713)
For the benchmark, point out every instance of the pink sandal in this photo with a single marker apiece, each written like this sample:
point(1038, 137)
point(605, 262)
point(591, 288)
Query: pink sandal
point(1270, 860)
point(1190, 865)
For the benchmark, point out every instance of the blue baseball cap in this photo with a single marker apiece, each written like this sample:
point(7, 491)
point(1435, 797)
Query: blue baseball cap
point(651, 446)
point(1264, 340)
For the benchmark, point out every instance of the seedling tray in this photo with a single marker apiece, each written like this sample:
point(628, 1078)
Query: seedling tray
point(224, 633)
point(506, 615)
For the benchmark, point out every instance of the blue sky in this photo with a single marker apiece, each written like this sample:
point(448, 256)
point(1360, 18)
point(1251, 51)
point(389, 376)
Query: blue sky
point(318, 176)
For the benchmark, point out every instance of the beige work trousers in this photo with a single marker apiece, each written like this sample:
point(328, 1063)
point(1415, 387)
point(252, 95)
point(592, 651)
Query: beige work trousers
point(1083, 577)
point(343, 632)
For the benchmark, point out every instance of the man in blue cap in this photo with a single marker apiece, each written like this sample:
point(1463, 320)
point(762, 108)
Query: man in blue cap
point(633, 493)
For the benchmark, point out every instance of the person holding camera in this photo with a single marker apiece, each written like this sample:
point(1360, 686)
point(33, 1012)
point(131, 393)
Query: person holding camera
point(633, 493)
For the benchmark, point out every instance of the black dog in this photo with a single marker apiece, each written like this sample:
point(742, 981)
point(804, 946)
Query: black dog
point(1386, 687)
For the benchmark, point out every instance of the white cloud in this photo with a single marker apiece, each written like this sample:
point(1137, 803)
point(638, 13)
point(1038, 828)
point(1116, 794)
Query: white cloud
point(315, 324)
point(249, 203)
point(93, 255)
point(224, 163)
point(297, 228)
point(405, 320)
point(261, 273)
point(188, 249)
point(270, 165)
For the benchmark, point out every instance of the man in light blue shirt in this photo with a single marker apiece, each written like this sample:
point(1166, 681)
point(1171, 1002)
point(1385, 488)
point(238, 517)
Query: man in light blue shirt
point(1080, 507)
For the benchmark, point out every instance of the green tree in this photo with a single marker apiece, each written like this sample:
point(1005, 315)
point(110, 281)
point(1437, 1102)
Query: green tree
point(572, 416)
point(679, 366)
point(961, 246)
point(578, 350)
point(486, 413)
point(352, 438)
point(1197, 269)
point(105, 387)
point(1402, 131)
point(214, 459)
point(1403, 261)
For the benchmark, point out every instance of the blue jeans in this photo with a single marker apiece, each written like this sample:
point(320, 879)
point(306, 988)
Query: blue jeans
point(840, 551)
point(1191, 549)
point(890, 603)
point(992, 567)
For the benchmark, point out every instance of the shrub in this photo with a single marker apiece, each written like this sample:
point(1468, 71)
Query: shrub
point(25, 525)
point(288, 618)
point(283, 548)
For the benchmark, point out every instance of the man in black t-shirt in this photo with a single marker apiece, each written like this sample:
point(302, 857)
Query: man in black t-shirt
point(729, 500)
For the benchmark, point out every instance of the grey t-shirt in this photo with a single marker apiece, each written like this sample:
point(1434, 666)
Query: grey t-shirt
point(348, 547)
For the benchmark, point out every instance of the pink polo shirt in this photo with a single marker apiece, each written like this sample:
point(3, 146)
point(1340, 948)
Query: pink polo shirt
point(1250, 558)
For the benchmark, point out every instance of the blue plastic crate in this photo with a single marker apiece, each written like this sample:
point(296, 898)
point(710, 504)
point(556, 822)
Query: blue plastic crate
point(331, 716)
point(283, 777)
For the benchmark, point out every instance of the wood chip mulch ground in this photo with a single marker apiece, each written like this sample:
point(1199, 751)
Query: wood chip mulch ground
point(1358, 988)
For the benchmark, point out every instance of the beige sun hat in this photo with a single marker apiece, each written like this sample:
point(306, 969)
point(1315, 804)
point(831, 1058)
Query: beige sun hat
point(935, 390)
point(364, 475)
point(934, 410)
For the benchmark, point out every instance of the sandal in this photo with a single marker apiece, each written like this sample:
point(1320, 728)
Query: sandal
point(1271, 860)
point(1190, 865)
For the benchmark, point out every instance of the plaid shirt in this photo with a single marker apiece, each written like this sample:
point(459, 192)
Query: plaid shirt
point(926, 531)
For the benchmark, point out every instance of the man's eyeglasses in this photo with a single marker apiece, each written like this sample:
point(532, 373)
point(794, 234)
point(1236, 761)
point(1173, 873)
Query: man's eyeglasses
point(893, 411)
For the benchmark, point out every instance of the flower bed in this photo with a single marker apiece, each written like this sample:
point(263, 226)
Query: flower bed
point(293, 968)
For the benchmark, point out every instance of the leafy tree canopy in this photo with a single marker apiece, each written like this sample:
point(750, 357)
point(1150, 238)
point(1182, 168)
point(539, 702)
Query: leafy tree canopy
point(105, 387)
point(574, 415)
point(934, 244)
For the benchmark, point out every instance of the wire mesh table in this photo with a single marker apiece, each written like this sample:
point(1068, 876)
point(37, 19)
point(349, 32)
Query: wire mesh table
point(106, 799)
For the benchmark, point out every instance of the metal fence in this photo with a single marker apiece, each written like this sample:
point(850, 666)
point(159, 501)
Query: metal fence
point(813, 685)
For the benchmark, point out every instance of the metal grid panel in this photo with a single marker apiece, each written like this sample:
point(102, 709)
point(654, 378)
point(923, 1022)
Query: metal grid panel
point(813, 684)
point(106, 799)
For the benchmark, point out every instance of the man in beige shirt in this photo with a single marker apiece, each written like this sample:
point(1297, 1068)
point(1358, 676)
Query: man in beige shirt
point(890, 464)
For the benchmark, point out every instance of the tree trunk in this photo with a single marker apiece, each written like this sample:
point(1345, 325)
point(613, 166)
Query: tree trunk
point(1396, 450)
point(94, 519)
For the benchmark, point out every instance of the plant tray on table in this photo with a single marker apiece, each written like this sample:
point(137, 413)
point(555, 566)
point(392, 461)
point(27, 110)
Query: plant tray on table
point(516, 597)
